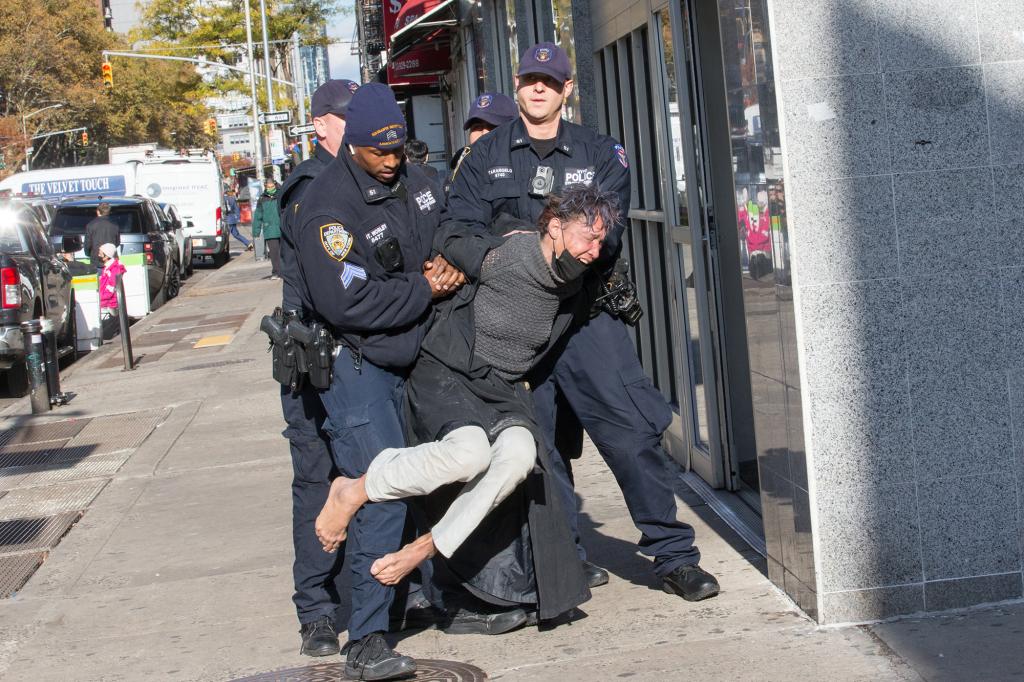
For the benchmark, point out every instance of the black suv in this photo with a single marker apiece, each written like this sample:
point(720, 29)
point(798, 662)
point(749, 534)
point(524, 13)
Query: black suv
point(142, 231)
point(34, 283)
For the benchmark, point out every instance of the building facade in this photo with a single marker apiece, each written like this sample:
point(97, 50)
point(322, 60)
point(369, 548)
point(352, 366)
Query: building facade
point(823, 234)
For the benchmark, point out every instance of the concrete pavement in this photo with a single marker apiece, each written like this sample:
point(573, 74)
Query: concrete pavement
point(180, 568)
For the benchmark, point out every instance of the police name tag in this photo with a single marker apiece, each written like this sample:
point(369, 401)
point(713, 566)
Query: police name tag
point(500, 173)
point(336, 240)
point(425, 200)
point(377, 233)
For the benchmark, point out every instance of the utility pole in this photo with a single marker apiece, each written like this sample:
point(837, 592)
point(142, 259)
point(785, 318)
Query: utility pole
point(271, 129)
point(256, 136)
point(300, 92)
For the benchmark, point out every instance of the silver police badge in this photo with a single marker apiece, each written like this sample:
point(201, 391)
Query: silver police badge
point(336, 240)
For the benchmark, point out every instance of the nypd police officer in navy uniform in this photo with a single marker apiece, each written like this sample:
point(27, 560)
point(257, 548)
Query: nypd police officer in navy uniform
point(488, 111)
point(363, 235)
point(316, 573)
point(510, 171)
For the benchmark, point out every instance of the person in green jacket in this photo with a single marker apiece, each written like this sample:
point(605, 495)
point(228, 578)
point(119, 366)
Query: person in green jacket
point(266, 220)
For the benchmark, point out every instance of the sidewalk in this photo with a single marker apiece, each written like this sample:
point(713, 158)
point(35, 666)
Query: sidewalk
point(180, 566)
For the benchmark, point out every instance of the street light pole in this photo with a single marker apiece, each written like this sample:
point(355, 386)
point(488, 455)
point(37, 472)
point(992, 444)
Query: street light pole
point(257, 143)
point(300, 92)
point(24, 132)
point(271, 130)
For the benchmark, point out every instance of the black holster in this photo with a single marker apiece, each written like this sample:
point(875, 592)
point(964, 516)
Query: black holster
point(286, 356)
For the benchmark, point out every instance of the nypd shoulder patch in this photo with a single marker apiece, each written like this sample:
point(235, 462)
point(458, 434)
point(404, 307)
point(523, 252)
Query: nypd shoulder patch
point(336, 240)
point(620, 152)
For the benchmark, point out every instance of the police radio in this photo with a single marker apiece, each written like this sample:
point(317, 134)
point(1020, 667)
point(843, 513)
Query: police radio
point(542, 182)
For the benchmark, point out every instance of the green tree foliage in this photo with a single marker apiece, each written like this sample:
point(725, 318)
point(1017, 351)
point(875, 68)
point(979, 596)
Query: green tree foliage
point(50, 53)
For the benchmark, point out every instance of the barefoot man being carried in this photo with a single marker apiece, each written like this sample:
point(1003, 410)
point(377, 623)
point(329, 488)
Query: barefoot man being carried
point(469, 403)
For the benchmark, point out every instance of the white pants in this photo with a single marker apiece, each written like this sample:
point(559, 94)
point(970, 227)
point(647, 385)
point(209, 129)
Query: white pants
point(465, 455)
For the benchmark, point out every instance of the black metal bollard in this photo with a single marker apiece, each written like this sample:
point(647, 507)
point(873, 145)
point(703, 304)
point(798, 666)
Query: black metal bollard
point(35, 362)
point(52, 366)
point(122, 318)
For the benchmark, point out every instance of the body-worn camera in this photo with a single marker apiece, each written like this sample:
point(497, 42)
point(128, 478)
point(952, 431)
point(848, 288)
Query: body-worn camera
point(619, 298)
point(543, 181)
point(389, 255)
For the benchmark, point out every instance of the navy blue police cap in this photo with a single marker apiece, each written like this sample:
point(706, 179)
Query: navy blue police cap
point(333, 97)
point(374, 118)
point(493, 108)
point(548, 59)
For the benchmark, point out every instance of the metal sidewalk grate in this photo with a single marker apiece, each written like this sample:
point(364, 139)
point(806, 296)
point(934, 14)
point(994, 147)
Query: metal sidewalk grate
point(34, 457)
point(92, 467)
point(212, 365)
point(37, 433)
point(116, 432)
point(19, 535)
point(50, 500)
point(15, 570)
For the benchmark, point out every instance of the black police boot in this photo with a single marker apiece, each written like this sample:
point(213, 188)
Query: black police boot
point(471, 621)
point(596, 576)
point(319, 638)
point(418, 616)
point(692, 583)
point(370, 658)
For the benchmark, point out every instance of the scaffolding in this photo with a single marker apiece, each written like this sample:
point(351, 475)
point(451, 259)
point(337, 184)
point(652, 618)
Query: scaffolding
point(370, 46)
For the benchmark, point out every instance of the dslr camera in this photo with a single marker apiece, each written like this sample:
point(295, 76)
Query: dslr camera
point(619, 298)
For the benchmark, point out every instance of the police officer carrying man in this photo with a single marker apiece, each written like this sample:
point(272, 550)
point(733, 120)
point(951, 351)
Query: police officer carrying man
point(316, 574)
point(488, 111)
point(512, 170)
point(362, 240)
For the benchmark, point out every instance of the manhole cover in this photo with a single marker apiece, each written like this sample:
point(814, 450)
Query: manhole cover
point(16, 570)
point(427, 670)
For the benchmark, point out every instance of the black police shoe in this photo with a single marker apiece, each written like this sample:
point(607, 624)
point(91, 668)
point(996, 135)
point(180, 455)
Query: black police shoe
point(419, 616)
point(466, 621)
point(692, 583)
point(319, 638)
point(370, 658)
point(596, 576)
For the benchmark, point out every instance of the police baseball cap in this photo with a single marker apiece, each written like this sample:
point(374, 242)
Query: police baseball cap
point(374, 119)
point(333, 97)
point(493, 108)
point(548, 59)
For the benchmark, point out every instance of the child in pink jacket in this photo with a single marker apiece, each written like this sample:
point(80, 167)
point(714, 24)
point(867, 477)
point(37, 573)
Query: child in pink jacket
point(108, 279)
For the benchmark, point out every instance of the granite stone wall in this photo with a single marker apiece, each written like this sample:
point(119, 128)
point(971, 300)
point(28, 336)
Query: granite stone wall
point(903, 134)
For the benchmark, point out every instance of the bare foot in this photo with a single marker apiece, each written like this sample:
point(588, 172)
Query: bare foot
point(345, 498)
point(390, 569)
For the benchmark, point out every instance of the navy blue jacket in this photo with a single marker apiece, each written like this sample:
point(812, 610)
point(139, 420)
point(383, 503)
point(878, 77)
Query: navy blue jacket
point(494, 178)
point(291, 193)
point(344, 216)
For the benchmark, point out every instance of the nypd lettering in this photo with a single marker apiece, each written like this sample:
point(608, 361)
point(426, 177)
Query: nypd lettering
point(425, 200)
point(578, 176)
point(500, 172)
point(336, 240)
point(377, 233)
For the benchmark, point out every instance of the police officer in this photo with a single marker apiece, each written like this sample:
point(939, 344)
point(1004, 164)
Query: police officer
point(511, 170)
point(363, 237)
point(316, 573)
point(488, 111)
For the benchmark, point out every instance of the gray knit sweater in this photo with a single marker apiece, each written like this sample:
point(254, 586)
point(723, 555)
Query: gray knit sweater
point(515, 305)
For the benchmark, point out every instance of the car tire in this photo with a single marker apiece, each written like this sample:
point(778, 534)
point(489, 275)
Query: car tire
point(219, 259)
point(174, 282)
point(16, 380)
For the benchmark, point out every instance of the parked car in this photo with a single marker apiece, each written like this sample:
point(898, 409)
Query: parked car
point(142, 230)
point(34, 283)
point(178, 227)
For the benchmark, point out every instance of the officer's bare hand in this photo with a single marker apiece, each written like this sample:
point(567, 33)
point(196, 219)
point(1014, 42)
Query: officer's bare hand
point(444, 278)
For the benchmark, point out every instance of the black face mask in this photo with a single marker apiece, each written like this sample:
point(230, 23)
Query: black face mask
point(567, 267)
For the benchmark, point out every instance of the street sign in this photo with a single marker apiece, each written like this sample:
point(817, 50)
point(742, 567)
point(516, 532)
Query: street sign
point(270, 117)
point(295, 131)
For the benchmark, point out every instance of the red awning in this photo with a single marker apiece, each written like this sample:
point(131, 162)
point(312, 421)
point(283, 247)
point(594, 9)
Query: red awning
point(422, 21)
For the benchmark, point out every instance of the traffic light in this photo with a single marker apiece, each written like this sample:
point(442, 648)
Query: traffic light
point(210, 126)
point(85, 138)
point(108, 75)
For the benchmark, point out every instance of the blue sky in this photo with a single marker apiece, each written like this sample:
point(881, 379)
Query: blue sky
point(343, 63)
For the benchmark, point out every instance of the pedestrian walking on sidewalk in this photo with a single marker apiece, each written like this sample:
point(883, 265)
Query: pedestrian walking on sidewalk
point(266, 220)
point(232, 217)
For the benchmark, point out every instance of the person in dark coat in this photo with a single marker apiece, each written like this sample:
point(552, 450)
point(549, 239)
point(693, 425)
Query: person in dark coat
point(472, 410)
point(100, 230)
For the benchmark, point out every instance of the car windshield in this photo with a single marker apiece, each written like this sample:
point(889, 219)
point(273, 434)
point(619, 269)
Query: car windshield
point(12, 240)
point(73, 219)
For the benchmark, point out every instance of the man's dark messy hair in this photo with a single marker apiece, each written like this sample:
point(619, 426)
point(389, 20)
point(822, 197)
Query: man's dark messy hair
point(586, 203)
point(417, 151)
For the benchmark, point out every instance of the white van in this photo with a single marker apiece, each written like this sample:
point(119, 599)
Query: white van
point(191, 181)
